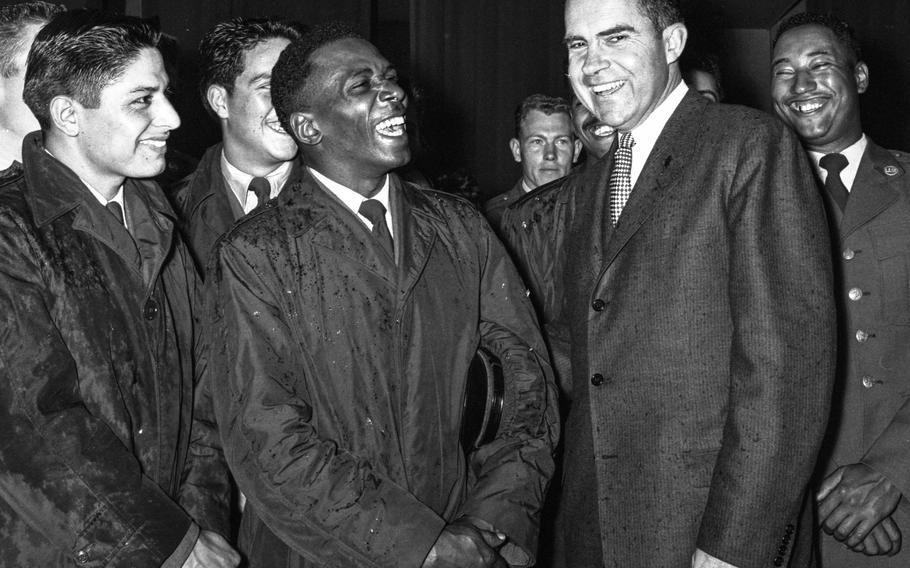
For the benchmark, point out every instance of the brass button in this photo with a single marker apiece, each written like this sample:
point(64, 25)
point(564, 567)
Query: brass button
point(82, 557)
point(862, 336)
point(848, 254)
point(868, 382)
point(855, 294)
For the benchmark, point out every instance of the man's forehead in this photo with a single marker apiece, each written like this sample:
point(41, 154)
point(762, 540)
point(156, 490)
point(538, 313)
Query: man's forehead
point(598, 16)
point(809, 39)
point(348, 54)
point(144, 72)
point(538, 120)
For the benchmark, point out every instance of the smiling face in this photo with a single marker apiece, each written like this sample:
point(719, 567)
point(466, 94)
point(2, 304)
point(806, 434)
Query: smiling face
point(126, 136)
point(254, 141)
point(357, 109)
point(816, 86)
point(596, 136)
point(620, 67)
point(17, 117)
point(545, 147)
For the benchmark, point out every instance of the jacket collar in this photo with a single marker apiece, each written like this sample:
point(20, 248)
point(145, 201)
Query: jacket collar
point(873, 190)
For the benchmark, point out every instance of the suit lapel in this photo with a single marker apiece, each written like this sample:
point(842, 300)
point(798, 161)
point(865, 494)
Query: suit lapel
point(661, 171)
point(872, 192)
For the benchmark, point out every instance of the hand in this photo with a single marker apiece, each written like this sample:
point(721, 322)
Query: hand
point(853, 500)
point(885, 539)
point(212, 551)
point(463, 545)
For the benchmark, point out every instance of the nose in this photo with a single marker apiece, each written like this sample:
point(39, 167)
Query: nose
point(803, 81)
point(390, 91)
point(549, 151)
point(594, 60)
point(166, 116)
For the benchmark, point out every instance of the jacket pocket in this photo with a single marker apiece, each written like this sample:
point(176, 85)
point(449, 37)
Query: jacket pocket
point(892, 250)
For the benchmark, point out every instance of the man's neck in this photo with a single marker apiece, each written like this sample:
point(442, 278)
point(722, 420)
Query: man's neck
point(237, 158)
point(365, 185)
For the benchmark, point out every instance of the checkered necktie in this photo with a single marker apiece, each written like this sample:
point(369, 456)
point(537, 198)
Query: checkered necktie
point(621, 176)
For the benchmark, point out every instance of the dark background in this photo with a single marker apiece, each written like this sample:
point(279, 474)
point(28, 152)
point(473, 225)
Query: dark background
point(472, 61)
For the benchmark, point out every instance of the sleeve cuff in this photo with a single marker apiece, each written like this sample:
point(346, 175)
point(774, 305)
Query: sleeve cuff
point(182, 552)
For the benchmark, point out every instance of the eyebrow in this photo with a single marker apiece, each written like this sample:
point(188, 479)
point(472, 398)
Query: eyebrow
point(604, 33)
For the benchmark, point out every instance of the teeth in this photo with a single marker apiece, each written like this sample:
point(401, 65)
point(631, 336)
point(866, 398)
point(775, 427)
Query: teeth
point(602, 130)
point(276, 126)
point(391, 126)
point(608, 88)
point(155, 143)
point(806, 107)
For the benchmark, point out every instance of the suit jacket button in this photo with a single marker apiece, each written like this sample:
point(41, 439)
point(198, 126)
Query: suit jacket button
point(778, 561)
point(598, 305)
point(848, 254)
point(855, 294)
point(597, 379)
point(150, 311)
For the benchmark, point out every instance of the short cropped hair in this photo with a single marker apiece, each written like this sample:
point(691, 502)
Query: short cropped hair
point(290, 91)
point(221, 50)
point(693, 60)
point(78, 54)
point(543, 103)
point(662, 13)
point(13, 21)
point(841, 30)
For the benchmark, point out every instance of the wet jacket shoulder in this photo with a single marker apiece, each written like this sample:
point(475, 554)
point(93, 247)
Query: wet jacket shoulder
point(95, 378)
point(368, 446)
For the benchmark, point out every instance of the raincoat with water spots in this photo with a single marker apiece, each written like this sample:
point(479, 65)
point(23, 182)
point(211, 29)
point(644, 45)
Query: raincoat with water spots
point(338, 378)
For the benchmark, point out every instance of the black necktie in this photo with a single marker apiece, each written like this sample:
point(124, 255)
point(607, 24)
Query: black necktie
point(116, 211)
point(375, 212)
point(262, 189)
point(834, 164)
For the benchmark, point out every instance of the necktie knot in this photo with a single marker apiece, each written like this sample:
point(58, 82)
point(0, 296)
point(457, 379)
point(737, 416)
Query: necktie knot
point(261, 188)
point(626, 140)
point(116, 211)
point(373, 210)
point(834, 163)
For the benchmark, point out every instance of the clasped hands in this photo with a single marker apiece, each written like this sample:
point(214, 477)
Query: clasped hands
point(855, 505)
point(467, 543)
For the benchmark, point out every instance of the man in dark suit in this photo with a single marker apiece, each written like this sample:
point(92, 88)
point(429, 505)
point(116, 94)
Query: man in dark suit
point(342, 324)
point(864, 474)
point(544, 144)
point(254, 159)
point(686, 278)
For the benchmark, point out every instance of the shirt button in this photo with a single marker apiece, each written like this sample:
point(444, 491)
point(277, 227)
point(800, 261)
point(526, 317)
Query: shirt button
point(598, 305)
point(855, 294)
point(868, 382)
point(82, 557)
point(848, 254)
point(151, 310)
point(862, 336)
point(597, 379)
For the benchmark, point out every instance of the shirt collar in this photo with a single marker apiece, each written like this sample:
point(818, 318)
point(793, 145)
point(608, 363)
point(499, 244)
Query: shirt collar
point(239, 181)
point(853, 153)
point(352, 199)
point(647, 133)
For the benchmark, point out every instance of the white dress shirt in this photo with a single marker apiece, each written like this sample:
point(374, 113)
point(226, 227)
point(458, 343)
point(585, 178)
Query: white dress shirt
point(646, 133)
point(352, 199)
point(239, 182)
point(853, 153)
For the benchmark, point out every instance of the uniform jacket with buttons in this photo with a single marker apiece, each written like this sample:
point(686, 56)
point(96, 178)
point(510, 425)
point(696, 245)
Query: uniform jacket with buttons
point(95, 374)
point(700, 334)
point(341, 380)
point(870, 421)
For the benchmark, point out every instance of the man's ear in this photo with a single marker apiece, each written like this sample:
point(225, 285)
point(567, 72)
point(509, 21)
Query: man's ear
point(578, 148)
point(64, 115)
point(675, 36)
point(515, 146)
point(217, 96)
point(305, 129)
point(861, 74)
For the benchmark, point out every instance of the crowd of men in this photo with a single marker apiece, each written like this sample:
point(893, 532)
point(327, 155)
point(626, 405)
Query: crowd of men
point(271, 371)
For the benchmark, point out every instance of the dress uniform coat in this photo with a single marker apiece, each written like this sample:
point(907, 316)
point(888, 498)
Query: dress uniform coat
point(870, 418)
point(700, 339)
point(342, 378)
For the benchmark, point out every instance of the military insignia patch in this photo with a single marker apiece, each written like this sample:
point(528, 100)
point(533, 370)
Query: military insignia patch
point(891, 170)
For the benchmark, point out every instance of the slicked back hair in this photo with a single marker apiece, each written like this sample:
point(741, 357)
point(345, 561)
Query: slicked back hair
point(662, 13)
point(543, 103)
point(841, 30)
point(221, 50)
point(78, 54)
point(290, 91)
point(14, 20)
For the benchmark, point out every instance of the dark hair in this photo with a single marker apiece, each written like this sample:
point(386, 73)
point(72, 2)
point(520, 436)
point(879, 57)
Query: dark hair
point(705, 62)
point(13, 21)
point(662, 13)
point(544, 103)
point(78, 54)
point(221, 50)
point(290, 91)
point(841, 30)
